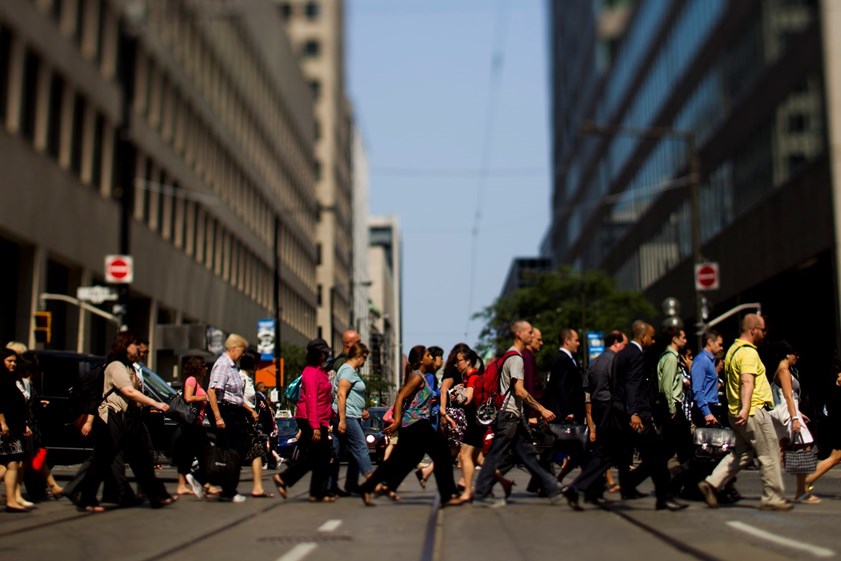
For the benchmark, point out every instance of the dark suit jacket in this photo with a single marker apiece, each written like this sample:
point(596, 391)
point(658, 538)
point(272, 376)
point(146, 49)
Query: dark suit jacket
point(631, 390)
point(564, 392)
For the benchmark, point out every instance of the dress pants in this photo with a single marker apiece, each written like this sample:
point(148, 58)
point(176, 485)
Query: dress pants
point(603, 452)
point(314, 456)
point(757, 438)
point(653, 454)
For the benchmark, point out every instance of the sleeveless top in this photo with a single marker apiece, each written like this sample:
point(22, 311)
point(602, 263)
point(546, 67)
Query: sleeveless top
point(420, 408)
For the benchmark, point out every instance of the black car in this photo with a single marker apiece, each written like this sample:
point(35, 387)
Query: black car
point(59, 372)
point(374, 435)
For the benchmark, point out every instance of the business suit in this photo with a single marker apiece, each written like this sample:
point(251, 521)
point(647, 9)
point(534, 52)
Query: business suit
point(564, 392)
point(632, 397)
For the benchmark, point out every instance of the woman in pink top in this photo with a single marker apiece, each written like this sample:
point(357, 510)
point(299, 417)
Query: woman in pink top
point(191, 441)
point(313, 416)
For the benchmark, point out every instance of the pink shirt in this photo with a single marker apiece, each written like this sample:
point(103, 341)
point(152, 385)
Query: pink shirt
point(315, 404)
point(198, 392)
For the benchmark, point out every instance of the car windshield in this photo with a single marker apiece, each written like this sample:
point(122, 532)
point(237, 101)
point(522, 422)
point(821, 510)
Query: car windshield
point(155, 385)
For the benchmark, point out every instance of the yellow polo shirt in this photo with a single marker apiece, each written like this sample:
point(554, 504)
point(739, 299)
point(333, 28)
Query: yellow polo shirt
point(743, 357)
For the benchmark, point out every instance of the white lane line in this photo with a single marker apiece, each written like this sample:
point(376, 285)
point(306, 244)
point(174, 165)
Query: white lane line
point(330, 526)
point(794, 544)
point(298, 552)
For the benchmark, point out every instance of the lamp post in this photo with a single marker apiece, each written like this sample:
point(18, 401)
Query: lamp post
point(689, 137)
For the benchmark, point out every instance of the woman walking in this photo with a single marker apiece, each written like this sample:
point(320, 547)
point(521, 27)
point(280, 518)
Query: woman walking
point(833, 409)
point(118, 429)
point(13, 430)
point(412, 415)
point(313, 417)
point(190, 442)
point(350, 400)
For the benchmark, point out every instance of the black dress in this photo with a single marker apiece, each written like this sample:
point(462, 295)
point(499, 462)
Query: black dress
point(14, 409)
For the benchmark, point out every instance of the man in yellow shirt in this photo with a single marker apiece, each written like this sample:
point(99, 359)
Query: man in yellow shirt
point(750, 402)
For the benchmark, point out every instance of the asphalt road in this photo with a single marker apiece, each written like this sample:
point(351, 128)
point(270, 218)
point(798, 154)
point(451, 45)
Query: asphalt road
point(528, 528)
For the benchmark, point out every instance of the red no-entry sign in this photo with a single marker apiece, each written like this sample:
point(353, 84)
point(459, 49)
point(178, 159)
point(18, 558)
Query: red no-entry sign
point(706, 276)
point(119, 269)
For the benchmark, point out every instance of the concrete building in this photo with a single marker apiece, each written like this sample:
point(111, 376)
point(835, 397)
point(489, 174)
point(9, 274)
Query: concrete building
point(756, 82)
point(178, 133)
point(521, 268)
point(360, 281)
point(316, 29)
point(385, 267)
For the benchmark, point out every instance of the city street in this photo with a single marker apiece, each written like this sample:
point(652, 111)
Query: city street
point(529, 528)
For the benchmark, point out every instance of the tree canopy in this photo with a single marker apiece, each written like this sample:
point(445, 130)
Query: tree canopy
point(584, 301)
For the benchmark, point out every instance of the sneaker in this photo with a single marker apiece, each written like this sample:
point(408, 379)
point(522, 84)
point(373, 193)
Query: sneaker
point(785, 505)
point(235, 499)
point(195, 486)
point(489, 502)
point(709, 493)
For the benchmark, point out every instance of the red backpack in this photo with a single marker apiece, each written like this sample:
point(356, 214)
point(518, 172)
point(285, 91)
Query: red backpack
point(488, 387)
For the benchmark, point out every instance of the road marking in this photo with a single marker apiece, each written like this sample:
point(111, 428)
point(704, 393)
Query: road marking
point(794, 544)
point(298, 552)
point(330, 526)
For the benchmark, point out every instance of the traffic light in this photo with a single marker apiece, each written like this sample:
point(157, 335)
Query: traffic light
point(43, 327)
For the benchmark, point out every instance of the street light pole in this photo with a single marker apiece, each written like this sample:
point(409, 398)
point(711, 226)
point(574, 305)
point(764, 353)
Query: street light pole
point(694, 164)
point(277, 304)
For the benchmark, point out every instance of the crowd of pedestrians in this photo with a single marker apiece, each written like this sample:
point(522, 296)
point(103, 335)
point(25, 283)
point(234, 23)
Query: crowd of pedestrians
point(635, 408)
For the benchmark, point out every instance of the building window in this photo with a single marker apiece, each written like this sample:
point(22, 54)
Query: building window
point(312, 10)
point(29, 96)
point(5, 54)
point(54, 122)
point(99, 132)
point(77, 134)
point(315, 88)
point(798, 122)
point(311, 48)
point(286, 10)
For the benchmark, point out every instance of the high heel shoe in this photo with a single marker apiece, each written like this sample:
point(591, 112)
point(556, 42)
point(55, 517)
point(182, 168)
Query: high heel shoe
point(366, 498)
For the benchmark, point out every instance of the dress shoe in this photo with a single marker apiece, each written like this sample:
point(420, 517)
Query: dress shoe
point(633, 494)
point(670, 504)
point(571, 496)
point(783, 506)
point(709, 493)
point(598, 501)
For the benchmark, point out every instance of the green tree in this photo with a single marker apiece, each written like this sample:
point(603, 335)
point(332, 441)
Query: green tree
point(585, 301)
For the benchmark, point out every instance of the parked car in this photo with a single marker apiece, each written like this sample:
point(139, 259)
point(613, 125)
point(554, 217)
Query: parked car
point(60, 371)
point(287, 432)
point(374, 435)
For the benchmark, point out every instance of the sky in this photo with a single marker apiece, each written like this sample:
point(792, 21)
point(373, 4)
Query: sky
point(451, 100)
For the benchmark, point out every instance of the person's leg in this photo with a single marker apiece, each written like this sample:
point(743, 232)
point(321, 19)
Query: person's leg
point(296, 470)
point(505, 430)
point(824, 466)
point(739, 457)
point(768, 453)
point(142, 461)
point(10, 478)
point(320, 453)
point(360, 460)
point(435, 445)
point(467, 456)
point(529, 456)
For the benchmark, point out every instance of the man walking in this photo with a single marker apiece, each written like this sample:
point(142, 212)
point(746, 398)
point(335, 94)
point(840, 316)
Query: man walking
point(564, 394)
point(509, 430)
point(750, 402)
point(676, 429)
point(532, 381)
point(705, 381)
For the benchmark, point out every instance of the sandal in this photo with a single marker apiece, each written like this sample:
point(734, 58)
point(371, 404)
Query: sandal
point(325, 499)
point(281, 486)
point(263, 495)
point(366, 498)
point(421, 478)
point(615, 488)
point(92, 509)
point(808, 499)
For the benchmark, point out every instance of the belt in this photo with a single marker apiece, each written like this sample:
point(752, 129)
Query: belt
point(229, 404)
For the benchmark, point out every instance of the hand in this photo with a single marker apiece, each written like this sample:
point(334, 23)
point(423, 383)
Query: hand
point(795, 425)
point(87, 428)
point(4, 430)
point(162, 406)
point(220, 423)
point(742, 417)
point(27, 432)
point(316, 435)
point(392, 428)
point(805, 418)
point(710, 419)
point(547, 415)
point(255, 416)
point(636, 423)
point(533, 420)
point(342, 427)
point(593, 433)
point(365, 414)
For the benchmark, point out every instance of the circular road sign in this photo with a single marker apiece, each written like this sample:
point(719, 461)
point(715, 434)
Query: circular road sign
point(706, 276)
point(119, 269)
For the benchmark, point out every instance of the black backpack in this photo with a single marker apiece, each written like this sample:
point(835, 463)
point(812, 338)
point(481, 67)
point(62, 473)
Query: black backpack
point(86, 393)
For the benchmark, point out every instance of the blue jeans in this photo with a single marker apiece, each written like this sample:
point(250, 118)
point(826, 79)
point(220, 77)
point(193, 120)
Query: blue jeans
point(510, 434)
point(353, 441)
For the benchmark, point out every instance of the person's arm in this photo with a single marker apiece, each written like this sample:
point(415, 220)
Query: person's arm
point(139, 397)
point(746, 392)
point(698, 375)
point(783, 376)
point(666, 373)
point(214, 406)
point(344, 390)
point(523, 394)
point(446, 384)
point(4, 428)
point(190, 392)
point(468, 395)
point(412, 385)
point(87, 427)
point(633, 383)
point(309, 390)
point(588, 412)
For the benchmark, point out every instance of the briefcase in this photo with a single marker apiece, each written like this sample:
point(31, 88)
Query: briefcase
point(712, 442)
point(570, 433)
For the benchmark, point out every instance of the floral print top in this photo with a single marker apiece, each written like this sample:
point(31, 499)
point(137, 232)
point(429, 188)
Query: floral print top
point(420, 407)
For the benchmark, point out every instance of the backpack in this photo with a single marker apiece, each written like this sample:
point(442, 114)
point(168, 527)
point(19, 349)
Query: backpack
point(86, 394)
point(488, 386)
point(293, 390)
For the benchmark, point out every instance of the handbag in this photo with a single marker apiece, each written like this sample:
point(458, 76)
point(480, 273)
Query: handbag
point(713, 442)
point(455, 435)
point(388, 416)
point(458, 394)
point(800, 459)
point(222, 466)
point(180, 410)
point(570, 433)
point(293, 390)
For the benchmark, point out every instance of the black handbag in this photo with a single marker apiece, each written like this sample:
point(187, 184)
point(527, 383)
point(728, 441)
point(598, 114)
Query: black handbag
point(713, 442)
point(570, 434)
point(222, 466)
point(181, 411)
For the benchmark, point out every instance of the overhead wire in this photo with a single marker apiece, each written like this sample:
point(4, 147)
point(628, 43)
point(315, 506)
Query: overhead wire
point(497, 66)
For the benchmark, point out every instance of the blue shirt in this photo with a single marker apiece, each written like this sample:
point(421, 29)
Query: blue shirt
point(704, 381)
point(355, 402)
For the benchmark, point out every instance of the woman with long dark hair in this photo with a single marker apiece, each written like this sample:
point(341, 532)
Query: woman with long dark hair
point(190, 441)
point(118, 428)
point(833, 409)
point(13, 430)
point(412, 416)
point(312, 414)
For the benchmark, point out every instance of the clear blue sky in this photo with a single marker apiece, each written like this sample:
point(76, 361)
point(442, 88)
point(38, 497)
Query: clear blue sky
point(420, 80)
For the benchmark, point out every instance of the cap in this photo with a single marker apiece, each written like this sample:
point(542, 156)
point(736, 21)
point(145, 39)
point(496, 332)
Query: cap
point(319, 345)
